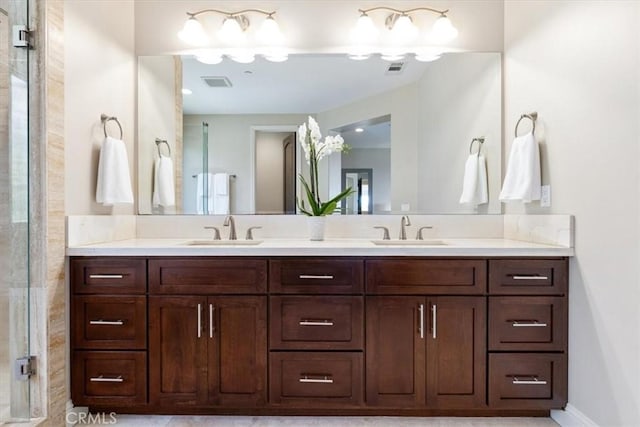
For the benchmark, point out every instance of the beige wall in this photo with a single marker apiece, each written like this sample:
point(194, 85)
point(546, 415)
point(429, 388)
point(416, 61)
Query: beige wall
point(100, 76)
point(270, 172)
point(577, 64)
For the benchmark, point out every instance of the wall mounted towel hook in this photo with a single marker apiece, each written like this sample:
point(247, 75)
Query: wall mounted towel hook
point(531, 116)
point(104, 119)
point(162, 141)
point(480, 142)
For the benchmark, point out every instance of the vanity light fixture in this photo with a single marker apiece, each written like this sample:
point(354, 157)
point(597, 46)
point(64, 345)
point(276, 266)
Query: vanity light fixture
point(233, 33)
point(402, 33)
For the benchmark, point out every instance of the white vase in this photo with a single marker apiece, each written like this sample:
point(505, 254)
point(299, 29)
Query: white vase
point(316, 225)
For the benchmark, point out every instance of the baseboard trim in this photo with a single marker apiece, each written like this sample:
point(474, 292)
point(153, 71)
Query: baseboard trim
point(572, 417)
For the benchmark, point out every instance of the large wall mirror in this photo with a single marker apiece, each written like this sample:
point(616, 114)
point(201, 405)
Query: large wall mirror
point(230, 131)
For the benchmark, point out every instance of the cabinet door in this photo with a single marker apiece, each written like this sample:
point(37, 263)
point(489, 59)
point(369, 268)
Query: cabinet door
point(395, 351)
point(177, 351)
point(237, 327)
point(456, 352)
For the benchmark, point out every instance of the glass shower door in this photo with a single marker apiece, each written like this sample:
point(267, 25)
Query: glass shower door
point(14, 213)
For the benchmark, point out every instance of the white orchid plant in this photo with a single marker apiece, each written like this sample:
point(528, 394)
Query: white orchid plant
point(315, 149)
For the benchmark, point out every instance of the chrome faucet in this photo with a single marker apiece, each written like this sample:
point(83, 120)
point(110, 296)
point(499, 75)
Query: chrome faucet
point(404, 221)
point(230, 222)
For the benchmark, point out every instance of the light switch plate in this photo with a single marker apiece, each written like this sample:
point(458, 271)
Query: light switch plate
point(545, 196)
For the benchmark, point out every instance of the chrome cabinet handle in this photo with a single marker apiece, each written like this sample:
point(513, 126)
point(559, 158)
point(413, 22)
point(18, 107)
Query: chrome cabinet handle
point(106, 276)
point(102, 379)
point(106, 322)
point(421, 327)
point(530, 278)
point(199, 320)
point(321, 322)
point(528, 324)
point(211, 310)
point(532, 381)
point(324, 380)
point(313, 276)
point(434, 320)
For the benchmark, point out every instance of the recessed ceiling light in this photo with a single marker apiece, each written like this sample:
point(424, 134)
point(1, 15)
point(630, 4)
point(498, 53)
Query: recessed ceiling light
point(359, 130)
point(186, 91)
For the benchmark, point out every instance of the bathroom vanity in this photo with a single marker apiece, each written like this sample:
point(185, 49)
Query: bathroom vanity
point(373, 333)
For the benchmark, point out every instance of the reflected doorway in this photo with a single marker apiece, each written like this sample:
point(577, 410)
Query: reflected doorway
point(359, 202)
point(275, 173)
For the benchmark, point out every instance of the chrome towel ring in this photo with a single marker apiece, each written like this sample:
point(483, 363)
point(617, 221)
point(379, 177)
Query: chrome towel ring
point(162, 141)
point(480, 142)
point(104, 119)
point(531, 116)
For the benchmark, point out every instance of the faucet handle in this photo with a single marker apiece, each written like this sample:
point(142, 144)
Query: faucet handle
point(216, 232)
point(419, 235)
point(385, 236)
point(249, 235)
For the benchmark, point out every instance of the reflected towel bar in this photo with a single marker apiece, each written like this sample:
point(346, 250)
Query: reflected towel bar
point(162, 141)
point(230, 176)
point(480, 142)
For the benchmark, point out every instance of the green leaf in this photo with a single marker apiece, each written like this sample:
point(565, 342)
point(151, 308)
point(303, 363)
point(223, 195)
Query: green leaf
point(315, 208)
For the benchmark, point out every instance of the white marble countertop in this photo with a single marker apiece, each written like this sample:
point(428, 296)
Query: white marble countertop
point(329, 247)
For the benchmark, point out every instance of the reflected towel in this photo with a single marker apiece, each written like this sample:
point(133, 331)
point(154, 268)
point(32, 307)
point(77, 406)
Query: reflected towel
point(221, 194)
point(204, 193)
point(522, 180)
point(114, 179)
point(163, 184)
point(474, 186)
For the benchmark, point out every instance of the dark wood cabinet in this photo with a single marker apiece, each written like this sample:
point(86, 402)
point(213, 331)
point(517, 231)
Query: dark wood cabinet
point(207, 351)
point(321, 335)
point(426, 351)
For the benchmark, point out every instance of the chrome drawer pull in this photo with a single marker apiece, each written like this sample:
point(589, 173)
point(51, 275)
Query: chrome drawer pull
point(530, 278)
point(534, 324)
point(434, 314)
point(107, 322)
point(102, 379)
point(313, 276)
point(199, 320)
point(316, 323)
point(324, 380)
point(533, 381)
point(106, 276)
point(421, 314)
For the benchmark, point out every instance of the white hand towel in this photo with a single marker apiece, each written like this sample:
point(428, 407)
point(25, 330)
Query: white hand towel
point(114, 180)
point(474, 186)
point(221, 184)
point(163, 184)
point(221, 194)
point(522, 180)
point(204, 191)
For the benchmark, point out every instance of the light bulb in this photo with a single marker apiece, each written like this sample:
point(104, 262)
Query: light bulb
point(209, 57)
point(269, 32)
point(365, 30)
point(443, 30)
point(193, 33)
point(360, 53)
point(276, 55)
point(392, 55)
point(404, 31)
point(231, 31)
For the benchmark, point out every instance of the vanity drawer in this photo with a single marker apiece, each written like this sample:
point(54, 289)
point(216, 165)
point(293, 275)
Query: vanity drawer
point(316, 276)
point(108, 275)
point(527, 323)
point(528, 277)
point(316, 379)
point(110, 322)
point(207, 276)
point(423, 276)
point(104, 378)
point(527, 381)
point(317, 323)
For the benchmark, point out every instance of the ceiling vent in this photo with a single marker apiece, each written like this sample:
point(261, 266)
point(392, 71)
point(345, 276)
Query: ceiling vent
point(395, 68)
point(217, 81)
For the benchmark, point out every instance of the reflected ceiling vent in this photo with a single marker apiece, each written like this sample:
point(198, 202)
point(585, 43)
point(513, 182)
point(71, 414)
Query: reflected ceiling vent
point(216, 81)
point(395, 68)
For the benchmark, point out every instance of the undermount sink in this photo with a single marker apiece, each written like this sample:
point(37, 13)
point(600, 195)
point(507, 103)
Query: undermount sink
point(428, 242)
point(223, 242)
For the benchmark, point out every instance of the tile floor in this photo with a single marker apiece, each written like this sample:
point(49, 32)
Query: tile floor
point(228, 421)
